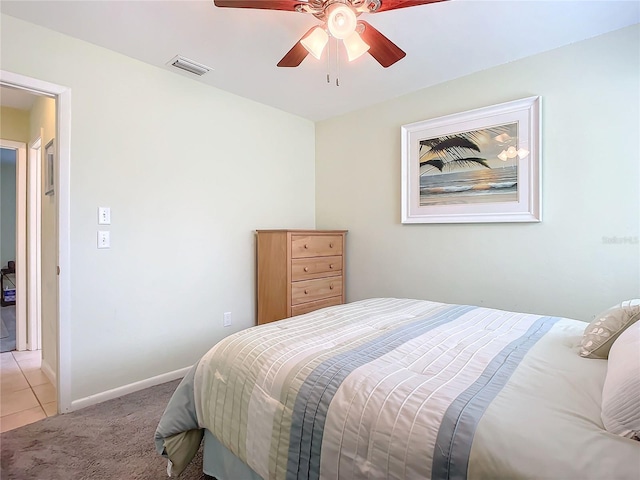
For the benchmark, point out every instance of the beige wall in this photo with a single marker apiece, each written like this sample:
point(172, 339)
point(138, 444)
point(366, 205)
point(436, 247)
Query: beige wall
point(14, 124)
point(562, 266)
point(42, 122)
point(189, 172)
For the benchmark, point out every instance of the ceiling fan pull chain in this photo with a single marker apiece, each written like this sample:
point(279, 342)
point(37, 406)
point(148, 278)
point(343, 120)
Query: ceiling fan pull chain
point(328, 61)
point(337, 63)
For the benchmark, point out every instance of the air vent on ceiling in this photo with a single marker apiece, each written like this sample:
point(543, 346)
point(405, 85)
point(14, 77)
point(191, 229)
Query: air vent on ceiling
point(188, 65)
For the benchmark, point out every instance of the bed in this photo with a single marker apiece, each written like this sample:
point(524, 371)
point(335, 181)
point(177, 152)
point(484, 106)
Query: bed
point(398, 389)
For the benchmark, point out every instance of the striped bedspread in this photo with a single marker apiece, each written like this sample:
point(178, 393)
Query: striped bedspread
point(376, 389)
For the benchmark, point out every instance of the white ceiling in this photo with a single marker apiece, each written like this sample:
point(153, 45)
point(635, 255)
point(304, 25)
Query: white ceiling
point(443, 41)
point(16, 98)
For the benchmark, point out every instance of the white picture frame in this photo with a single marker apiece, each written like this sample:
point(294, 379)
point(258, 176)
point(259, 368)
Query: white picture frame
point(49, 167)
point(477, 166)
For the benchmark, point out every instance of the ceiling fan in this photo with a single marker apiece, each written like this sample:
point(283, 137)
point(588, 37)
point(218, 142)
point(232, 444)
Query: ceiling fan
point(339, 19)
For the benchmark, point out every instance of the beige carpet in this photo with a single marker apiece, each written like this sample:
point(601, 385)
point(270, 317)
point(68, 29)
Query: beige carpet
point(112, 440)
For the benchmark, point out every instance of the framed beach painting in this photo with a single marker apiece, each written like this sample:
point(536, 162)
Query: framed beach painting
point(482, 165)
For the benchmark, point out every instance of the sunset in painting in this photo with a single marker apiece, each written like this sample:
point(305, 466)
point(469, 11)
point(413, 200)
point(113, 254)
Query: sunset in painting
point(478, 166)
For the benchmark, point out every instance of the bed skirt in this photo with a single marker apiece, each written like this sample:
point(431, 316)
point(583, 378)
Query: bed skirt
point(219, 462)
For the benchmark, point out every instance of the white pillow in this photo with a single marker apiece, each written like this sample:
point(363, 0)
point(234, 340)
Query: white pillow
point(621, 391)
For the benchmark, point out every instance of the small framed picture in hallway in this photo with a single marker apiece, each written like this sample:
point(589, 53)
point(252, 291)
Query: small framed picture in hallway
point(49, 165)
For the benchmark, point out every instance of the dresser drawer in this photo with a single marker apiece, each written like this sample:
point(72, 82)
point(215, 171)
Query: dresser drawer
point(312, 290)
point(312, 306)
point(315, 245)
point(315, 267)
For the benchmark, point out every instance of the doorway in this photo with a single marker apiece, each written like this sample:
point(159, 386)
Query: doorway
point(21, 231)
point(11, 156)
point(55, 267)
point(28, 377)
point(13, 255)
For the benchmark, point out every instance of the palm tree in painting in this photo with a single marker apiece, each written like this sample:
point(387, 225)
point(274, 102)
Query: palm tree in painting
point(454, 151)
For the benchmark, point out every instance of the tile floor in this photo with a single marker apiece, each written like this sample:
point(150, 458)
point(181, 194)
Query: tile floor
point(26, 394)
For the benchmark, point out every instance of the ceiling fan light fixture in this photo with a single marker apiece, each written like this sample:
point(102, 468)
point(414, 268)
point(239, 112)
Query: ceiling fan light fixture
point(355, 46)
point(341, 20)
point(315, 42)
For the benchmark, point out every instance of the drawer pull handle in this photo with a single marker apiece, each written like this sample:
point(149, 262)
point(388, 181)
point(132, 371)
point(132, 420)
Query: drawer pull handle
point(306, 246)
point(306, 291)
point(331, 265)
point(331, 245)
point(306, 269)
point(331, 287)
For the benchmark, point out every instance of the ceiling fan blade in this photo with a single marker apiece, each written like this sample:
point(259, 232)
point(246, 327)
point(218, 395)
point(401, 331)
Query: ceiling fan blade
point(395, 4)
point(289, 5)
point(381, 48)
point(297, 54)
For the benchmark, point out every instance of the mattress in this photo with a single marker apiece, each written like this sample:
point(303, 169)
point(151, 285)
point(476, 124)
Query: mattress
point(400, 388)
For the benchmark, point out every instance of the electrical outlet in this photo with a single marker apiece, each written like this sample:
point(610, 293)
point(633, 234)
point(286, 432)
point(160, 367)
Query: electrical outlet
point(226, 319)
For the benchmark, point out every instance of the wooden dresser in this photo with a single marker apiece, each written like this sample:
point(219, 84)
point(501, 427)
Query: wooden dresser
point(299, 271)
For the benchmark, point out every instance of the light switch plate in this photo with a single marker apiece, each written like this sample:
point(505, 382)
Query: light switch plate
point(104, 239)
point(104, 216)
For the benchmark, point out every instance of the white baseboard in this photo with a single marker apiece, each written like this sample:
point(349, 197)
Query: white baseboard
point(125, 389)
point(48, 371)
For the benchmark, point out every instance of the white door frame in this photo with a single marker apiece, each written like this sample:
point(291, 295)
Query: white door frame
point(21, 241)
point(34, 240)
point(62, 182)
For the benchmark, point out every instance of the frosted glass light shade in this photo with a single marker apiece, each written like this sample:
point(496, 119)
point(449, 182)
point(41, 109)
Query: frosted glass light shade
point(341, 21)
point(315, 42)
point(355, 46)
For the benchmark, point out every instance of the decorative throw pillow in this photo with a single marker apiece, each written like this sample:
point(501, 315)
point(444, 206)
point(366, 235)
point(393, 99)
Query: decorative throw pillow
point(621, 391)
point(606, 327)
